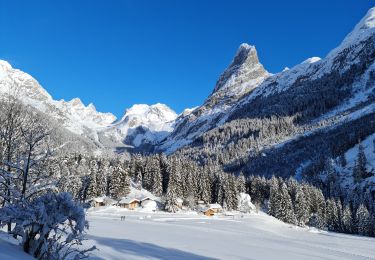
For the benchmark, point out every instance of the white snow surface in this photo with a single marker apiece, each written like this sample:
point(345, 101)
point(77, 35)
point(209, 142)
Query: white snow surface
point(10, 250)
point(163, 235)
point(346, 173)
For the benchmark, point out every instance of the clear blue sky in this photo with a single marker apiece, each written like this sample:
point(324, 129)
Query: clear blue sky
point(117, 53)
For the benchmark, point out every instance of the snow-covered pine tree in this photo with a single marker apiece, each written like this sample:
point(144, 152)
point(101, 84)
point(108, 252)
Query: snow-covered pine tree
point(231, 193)
point(149, 169)
point(275, 197)
point(301, 208)
point(137, 170)
point(285, 210)
point(204, 186)
point(332, 216)
point(120, 185)
point(318, 208)
point(241, 187)
point(340, 214)
point(156, 187)
point(174, 187)
point(347, 220)
point(93, 190)
point(363, 221)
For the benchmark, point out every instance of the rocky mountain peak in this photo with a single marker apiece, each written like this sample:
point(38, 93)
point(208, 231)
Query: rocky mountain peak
point(245, 67)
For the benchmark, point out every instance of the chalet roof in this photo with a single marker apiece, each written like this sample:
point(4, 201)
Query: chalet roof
point(99, 199)
point(128, 200)
point(142, 198)
point(214, 206)
point(104, 199)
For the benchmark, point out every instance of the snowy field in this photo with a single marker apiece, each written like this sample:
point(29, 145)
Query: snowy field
point(190, 236)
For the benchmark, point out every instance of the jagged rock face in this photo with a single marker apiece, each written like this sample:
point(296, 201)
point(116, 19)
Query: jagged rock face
point(243, 75)
point(245, 68)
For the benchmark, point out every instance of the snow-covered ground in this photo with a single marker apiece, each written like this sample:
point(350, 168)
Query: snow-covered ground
point(10, 250)
point(191, 236)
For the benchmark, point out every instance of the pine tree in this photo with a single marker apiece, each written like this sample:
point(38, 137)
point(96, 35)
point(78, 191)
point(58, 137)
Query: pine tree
point(241, 183)
point(174, 187)
point(275, 197)
point(285, 210)
point(359, 170)
point(362, 221)
point(347, 220)
point(301, 208)
point(332, 216)
point(120, 185)
point(340, 216)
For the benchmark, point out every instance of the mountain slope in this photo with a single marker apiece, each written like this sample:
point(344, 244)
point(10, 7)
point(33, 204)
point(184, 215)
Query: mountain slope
point(243, 75)
point(317, 109)
point(142, 126)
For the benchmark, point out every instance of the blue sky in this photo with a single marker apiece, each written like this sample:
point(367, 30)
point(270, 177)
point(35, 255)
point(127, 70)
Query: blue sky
point(118, 53)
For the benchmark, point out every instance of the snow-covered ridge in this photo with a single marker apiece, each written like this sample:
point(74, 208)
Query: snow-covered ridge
point(74, 114)
point(143, 124)
point(156, 120)
point(362, 30)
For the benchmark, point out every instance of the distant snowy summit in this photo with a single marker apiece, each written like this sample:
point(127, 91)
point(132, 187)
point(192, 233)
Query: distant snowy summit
point(141, 123)
point(142, 126)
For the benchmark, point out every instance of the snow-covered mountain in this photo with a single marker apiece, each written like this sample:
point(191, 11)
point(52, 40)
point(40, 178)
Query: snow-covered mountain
point(243, 75)
point(73, 115)
point(140, 124)
point(143, 125)
point(316, 94)
point(342, 81)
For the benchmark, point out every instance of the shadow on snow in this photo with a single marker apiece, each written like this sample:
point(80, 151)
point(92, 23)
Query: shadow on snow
point(141, 249)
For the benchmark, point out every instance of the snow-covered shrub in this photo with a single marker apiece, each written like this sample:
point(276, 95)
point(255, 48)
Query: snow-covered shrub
point(51, 226)
point(244, 203)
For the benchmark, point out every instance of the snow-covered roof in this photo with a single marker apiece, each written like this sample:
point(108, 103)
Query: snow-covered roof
point(99, 199)
point(143, 197)
point(214, 206)
point(128, 200)
point(179, 200)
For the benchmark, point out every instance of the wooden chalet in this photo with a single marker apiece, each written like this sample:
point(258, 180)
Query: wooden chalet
point(129, 203)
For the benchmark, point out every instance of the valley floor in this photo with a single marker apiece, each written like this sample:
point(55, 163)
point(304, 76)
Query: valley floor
point(162, 235)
